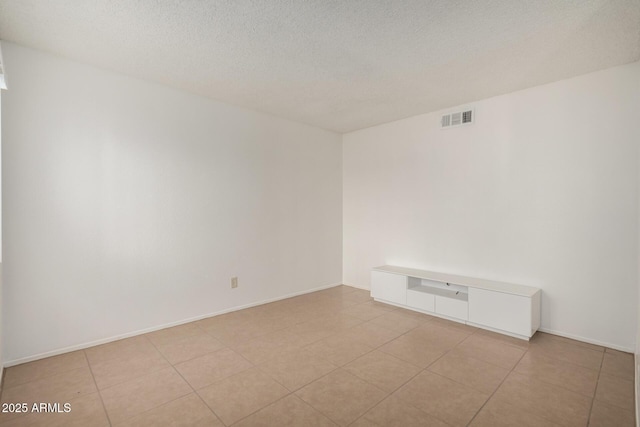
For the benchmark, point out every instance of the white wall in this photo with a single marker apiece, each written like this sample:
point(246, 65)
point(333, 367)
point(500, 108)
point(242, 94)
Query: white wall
point(128, 205)
point(542, 190)
point(1, 306)
point(637, 349)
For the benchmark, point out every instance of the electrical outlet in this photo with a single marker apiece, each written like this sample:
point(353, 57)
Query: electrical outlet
point(234, 282)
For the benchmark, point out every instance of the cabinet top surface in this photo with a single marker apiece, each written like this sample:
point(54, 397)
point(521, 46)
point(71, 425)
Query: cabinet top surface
point(490, 285)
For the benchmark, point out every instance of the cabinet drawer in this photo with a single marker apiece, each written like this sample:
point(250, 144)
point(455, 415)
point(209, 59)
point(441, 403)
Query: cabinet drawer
point(452, 307)
point(421, 300)
point(389, 287)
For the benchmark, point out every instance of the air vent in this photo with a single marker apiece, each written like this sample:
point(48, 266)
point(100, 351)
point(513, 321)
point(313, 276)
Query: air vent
point(456, 119)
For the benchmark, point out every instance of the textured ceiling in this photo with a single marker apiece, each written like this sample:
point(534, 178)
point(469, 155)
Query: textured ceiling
point(340, 65)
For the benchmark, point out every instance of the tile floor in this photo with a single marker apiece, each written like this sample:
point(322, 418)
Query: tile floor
point(333, 357)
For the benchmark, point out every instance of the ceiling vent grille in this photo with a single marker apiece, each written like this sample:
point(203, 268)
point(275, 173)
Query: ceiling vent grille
point(458, 118)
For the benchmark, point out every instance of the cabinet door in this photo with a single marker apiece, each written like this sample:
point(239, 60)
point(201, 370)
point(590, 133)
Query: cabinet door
point(506, 312)
point(389, 287)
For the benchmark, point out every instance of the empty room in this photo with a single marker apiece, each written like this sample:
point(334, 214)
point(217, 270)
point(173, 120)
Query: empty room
point(319, 213)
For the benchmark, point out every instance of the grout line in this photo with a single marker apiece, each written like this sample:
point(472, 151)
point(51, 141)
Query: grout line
point(266, 406)
point(97, 389)
point(561, 385)
point(4, 387)
point(420, 371)
point(497, 388)
point(593, 399)
point(193, 390)
point(209, 407)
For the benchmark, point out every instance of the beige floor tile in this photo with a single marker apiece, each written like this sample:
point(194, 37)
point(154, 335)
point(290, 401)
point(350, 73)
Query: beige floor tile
point(341, 396)
point(127, 400)
point(471, 372)
point(115, 371)
point(259, 351)
point(234, 319)
point(422, 317)
point(605, 415)
point(189, 347)
point(167, 335)
point(43, 368)
point(454, 325)
point(397, 321)
point(496, 413)
point(339, 322)
point(618, 352)
point(393, 412)
point(240, 395)
point(211, 367)
point(187, 411)
point(542, 336)
point(314, 330)
point(546, 345)
point(356, 297)
point(287, 338)
point(365, 311)
point(272, 310)
point(297, 368)
point(555, 371)
point(382, 370)
point(290, 411)
point(318, 334)
point(413, 350)
point(615, 391)
point(232, 337)
point(335, 304)
point(549, 401)
point(360, 291)
point(56, 388)
point(387, 307)
point(619, 364)
point(257, 314)
point(490, 350)
point(86, 411)
point(265, 325)
point(339, 349)
point(336, 290)
point(121, 349)
point(438, 336)
point(504, 339)
point(442, 398)
point(371, 334)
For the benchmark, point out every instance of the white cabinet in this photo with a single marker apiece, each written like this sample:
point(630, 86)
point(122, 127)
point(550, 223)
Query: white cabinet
point(502, 307)
point(389, 287)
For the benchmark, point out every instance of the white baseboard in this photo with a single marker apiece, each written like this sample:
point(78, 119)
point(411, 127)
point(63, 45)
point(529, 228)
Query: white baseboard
point(587, 340)
point(14, 362)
